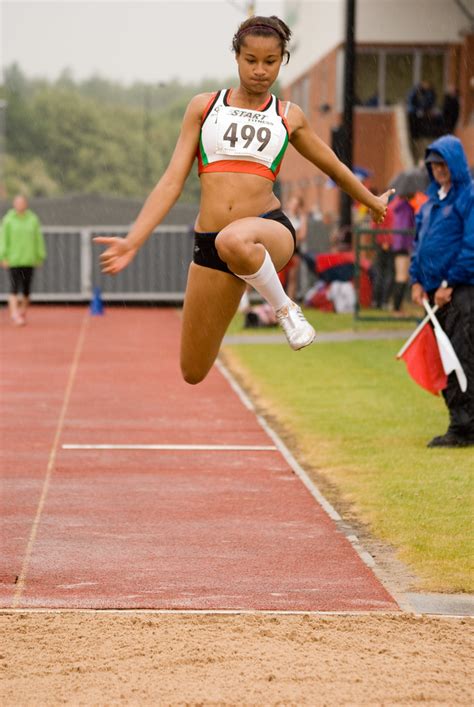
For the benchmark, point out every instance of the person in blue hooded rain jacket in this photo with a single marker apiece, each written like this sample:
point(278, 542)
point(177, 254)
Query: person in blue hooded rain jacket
point(442, 269)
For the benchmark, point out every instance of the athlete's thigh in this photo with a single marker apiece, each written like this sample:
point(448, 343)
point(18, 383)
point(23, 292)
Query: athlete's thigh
point(211, 300)
point(274, 236)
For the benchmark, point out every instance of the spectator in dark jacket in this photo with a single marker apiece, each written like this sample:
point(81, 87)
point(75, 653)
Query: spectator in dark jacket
point(442, 269)
point(450, 109)
point(421, 103)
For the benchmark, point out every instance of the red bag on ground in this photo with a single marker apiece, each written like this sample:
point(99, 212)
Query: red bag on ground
point(319, 299)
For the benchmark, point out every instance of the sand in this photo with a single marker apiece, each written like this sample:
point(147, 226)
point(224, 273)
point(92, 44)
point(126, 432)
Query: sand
point(115, 658)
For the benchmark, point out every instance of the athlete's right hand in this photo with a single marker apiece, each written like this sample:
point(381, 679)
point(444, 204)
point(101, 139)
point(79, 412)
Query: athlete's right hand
point(118, 254)
point(380, 210)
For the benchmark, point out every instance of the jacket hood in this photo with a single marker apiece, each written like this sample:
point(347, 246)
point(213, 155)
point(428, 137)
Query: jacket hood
point(451, 150)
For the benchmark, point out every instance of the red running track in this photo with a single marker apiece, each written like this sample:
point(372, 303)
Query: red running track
point(158, 529)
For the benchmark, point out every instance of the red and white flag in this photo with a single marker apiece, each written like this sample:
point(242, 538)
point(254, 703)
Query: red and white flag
point(423, 360)
point(430, 357)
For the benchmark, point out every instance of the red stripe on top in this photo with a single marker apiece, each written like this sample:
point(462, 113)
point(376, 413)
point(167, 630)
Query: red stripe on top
point(241, 166)
point(275, 173)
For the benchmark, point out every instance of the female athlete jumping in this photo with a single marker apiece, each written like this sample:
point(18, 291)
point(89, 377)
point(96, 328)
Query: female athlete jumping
point(241, 235)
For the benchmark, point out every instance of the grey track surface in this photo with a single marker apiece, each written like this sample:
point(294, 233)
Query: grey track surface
point(441, 604)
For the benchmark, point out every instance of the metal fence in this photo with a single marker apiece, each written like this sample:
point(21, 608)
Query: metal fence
point(72, 269)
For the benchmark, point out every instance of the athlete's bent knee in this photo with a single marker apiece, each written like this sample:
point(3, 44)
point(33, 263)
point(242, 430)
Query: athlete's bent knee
point(193, 376)
point(229, 244)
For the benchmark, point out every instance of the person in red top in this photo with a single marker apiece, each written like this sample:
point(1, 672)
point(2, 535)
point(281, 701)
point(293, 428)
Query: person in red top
point(241, 235)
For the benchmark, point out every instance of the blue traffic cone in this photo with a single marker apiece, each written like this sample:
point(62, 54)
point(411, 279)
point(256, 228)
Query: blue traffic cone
point(97, 305)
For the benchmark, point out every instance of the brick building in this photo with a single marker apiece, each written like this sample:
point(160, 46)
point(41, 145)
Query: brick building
point(398, 43)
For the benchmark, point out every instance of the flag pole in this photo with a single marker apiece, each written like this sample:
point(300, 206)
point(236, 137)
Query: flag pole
point(416, 332)
point(431, 311)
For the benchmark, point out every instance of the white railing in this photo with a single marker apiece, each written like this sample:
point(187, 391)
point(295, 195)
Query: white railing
point(72, 268)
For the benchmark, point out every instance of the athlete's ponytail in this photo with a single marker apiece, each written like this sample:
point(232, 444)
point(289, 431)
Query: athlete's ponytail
point(263, 27)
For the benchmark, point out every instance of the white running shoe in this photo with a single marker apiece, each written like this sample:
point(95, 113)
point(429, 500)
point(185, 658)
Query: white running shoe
point(297, 330)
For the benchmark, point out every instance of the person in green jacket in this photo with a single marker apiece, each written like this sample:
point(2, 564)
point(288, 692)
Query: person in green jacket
point(22, 248)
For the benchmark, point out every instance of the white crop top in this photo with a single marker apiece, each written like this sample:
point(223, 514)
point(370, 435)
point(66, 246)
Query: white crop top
point(242, 140)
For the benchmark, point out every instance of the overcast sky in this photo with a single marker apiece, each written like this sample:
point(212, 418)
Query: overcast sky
point(148, 40)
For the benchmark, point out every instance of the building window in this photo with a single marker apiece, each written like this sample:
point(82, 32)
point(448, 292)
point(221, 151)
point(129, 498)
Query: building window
point(385, 76)
point(398, 77)
point(367, 79)
point(433, 70)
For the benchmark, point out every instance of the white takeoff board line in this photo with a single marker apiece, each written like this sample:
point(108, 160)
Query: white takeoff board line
point(175, 447)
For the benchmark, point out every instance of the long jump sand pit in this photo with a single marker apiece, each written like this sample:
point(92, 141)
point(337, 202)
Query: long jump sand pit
point(146, 658)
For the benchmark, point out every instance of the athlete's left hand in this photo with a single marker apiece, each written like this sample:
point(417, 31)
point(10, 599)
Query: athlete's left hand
point(380, 210)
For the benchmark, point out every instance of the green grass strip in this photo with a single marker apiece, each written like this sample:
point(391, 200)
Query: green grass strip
point(328, 322)
point(358, 418)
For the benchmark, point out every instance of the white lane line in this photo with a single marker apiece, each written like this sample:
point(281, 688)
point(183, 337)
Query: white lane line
point(51, 461)
point(280, 445)
point(365, 556)
point(210, 612)
point(178, 447)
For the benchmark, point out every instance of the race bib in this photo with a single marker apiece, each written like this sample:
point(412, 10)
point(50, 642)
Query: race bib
point(248, 133)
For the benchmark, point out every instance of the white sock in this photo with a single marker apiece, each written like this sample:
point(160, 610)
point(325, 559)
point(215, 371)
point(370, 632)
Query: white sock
point(267, 284)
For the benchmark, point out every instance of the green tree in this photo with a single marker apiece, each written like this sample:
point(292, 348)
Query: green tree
point(30, 178)
point(92, 136)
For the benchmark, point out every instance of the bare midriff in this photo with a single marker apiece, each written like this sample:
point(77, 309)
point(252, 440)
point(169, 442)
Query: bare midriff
point(226, 197)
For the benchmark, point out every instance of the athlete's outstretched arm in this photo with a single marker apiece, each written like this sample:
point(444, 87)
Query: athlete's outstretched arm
point(121, 251)
point(308, 144)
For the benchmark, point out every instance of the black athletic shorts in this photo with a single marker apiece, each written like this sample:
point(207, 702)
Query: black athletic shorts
point(20, 280)
point(205, 252)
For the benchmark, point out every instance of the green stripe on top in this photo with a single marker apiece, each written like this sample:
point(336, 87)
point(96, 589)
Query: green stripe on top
point(279, 157)
point(204, 157)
